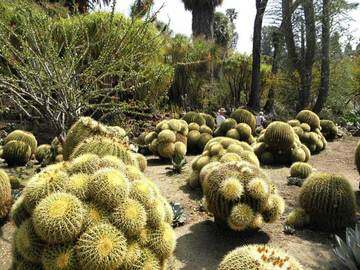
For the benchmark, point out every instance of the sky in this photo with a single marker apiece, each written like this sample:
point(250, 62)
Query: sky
point(173, 11)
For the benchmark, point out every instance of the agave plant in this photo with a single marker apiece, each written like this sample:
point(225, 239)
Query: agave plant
point(178, 163)
point(348, 251)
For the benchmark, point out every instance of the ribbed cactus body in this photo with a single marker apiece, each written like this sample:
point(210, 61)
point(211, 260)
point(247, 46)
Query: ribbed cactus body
point(310, 118)
point(244, 116)
point(329, 200)
point(16, 153)
point(22, 136)
point(328, 129)
point(5, 194)
point(279, 135)
point(301, 170)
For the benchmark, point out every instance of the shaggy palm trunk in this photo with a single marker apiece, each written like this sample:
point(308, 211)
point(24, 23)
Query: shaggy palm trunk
point(203, 21)
point(325, 66)
point(254, 98)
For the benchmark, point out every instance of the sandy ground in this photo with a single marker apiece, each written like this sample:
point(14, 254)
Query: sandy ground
point(201, 244)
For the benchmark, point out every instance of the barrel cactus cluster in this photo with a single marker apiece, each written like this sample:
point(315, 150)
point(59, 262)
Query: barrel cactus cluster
point(219, 150)
point(329, 129)
point(87, 127)
point(169, 139)
point(279, 144)
point(92, 213)
point(5, 194)
point(327, 202)
point(240, 126)
point(19, 147)
point(240, 195)
point(259, 257)
point(198, 136)
point(200, 119)
point(307, 127)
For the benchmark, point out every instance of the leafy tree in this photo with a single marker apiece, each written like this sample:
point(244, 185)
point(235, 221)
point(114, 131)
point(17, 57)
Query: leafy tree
point(141, 7)
point(203, 16)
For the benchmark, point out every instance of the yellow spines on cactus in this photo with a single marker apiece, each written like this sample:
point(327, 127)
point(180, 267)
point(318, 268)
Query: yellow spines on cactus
point(298, 218)
point(279, 135)
point(259, 257)
point(43, 184)
point(109, 187)
point(95, 215)
point(5, 194)
point(59, 257)
point(329, 200)
point(244, 116)
point(101, 247)
point(78, 185)
point(103, 146)
point(27, 243)
point(166, 136)
point(22, 136)
point(18, 212)
point(87, 163)
point(301, 170)
point(310, 118)
point(16, 153)
point(162, 240)
point(240, 217)
point(42, 152)
point(129, 217)
point(141, 160)
point(59, 218)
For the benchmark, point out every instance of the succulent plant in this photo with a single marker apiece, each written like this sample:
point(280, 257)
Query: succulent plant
point(348, 251)
point(329, 201)
point(328, 129)
point(22, 136)
point(42, 152)
point(244, 116)
point(94, 218)
point(221, 149)
point(279, 136)
point(16, 153)
point(300, 170)
point(310, 118)
point(209, 120)
point(5, 194)
point(239, 194)
point(194, 117)
point(259, 257)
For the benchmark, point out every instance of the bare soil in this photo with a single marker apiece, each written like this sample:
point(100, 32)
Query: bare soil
point(201, 244)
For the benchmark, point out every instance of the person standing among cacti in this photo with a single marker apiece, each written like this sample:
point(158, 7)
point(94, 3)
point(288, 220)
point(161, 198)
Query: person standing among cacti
point(220, 117)
point(260, 119)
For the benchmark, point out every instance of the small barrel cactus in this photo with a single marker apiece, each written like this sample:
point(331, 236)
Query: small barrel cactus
point(279, 136)
point(22, 136)
point(5, 194)
point(16, 153)
point(310, 118)
point(43, 152)
point(109, 217)
point(194, 117)
point(300, 170)
point(259, 257)
point(328, 129)
point(240, 195)
point(329, 201)
point(244, 116)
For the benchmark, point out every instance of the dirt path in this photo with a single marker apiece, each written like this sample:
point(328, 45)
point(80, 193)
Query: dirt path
point(201, 244)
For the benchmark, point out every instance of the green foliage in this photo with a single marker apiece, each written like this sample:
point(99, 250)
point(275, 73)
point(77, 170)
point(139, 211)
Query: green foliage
point(5, 194)
point(329, 201)
point(254, 257)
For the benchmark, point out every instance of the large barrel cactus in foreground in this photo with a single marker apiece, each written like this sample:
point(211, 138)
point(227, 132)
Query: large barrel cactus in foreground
point(259, 257)
point(92, 213)
point(327, 201)
point(219, 150)
point(240, 195)
point(278, 144)
point(5, 194)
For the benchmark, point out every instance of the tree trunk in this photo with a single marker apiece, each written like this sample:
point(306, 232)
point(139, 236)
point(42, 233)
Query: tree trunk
point(203, 22)
point(325, 65)
point(254, 98)
point(269, 106)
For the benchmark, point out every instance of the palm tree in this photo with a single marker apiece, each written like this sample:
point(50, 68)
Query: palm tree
point(203, 16)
